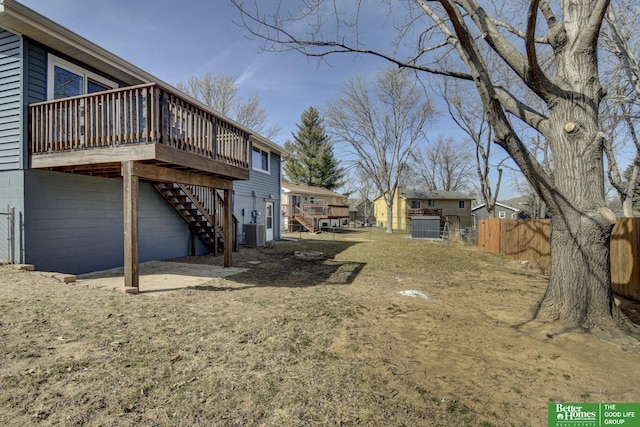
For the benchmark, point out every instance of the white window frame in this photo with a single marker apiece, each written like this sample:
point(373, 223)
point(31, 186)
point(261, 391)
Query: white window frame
point(259, 167)
point(53, 61)
point(502, 214)
point(462, 204)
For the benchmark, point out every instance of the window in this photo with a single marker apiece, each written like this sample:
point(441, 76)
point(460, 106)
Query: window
point(66, 79)
point(502, 214)
point(269, 215)
point(461, 204)
point(260, 159)
point(415, 204)
point(431, 203)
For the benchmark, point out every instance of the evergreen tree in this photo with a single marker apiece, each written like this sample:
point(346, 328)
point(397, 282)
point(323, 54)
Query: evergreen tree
point(312, 161)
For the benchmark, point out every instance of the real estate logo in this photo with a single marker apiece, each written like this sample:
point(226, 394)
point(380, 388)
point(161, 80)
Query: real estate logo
point(572, 414)
point(594, 414)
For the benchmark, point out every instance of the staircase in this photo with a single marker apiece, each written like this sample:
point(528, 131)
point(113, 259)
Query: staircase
point(306, 220)
point(202, 209)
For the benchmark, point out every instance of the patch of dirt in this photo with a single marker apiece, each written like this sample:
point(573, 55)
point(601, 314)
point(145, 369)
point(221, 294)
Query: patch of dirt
point(331, 342)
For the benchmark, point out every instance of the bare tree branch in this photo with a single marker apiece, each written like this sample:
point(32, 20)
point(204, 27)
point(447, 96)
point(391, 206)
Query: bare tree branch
point(382, 125)
point(524, 112)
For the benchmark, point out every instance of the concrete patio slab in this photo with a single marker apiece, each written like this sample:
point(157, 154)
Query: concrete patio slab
point(159, 276)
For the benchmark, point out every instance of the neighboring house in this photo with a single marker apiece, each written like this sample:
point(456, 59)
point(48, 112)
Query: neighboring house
point(312, 208)
point(106, 165)
point(453, 207)
point(361, 211)
point(502, 211)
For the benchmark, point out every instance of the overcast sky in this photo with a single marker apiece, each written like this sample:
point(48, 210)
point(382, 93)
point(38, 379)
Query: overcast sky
point(173, 40)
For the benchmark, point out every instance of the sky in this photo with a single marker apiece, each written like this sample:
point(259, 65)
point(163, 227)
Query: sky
point(175, 40)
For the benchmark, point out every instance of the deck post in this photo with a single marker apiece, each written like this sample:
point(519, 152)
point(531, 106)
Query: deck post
point(228, 228)
point(130, 186)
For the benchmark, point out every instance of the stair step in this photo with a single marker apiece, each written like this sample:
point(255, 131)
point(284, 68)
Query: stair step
point(182, 202)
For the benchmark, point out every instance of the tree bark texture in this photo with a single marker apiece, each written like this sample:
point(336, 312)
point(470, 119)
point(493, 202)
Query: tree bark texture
point(560, 70)
point(579, 290)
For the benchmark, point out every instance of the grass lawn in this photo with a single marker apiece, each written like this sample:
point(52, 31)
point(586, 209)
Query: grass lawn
point(290, 342)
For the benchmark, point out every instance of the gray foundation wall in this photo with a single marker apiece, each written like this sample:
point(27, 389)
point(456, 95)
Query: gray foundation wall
point(74, 224)
point(12, 196)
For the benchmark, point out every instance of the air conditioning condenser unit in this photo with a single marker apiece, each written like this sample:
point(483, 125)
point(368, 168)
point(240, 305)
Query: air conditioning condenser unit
point(254, 235)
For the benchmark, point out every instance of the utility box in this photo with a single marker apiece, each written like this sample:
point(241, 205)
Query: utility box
point(425, 227)
point(255, 235)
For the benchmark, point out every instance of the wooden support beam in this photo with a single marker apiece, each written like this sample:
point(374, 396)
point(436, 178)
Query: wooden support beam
point(228, 229)
point(160, 174)
point(131, 241)
point(167, 154)
point(95, 156)
point(194, 236)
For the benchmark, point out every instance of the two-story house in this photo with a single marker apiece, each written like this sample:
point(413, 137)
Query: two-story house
point(452, 207)
point(105, 165)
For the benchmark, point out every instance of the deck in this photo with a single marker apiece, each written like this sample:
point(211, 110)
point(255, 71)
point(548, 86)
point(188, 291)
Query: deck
point(316, 211)
point(152, 133)
point(93, 134)
point(411, 212)
point(310, 215)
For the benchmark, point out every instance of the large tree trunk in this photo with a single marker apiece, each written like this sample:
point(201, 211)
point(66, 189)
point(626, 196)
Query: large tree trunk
point(579, 291)
point(389, 217)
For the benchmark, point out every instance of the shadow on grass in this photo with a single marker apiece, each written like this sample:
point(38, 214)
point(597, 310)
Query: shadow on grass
point(275, 265)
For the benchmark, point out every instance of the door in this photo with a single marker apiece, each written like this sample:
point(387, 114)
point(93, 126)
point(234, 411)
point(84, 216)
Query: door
point(269, 221)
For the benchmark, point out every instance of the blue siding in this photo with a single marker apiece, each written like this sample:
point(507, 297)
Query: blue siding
point(254, 193)
point(74, 224)
point(10, 97)
point(37, 72)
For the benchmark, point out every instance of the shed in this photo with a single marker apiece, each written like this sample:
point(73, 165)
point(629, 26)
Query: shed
point(425, 227)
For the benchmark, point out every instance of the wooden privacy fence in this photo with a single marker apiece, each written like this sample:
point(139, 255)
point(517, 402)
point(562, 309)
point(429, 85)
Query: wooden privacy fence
point(529, 240)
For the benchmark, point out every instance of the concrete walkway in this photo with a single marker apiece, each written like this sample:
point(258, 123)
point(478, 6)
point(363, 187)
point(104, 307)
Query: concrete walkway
point(159, 276)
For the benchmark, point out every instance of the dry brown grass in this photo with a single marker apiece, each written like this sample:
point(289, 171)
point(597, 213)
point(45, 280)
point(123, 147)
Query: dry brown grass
point(297, 343)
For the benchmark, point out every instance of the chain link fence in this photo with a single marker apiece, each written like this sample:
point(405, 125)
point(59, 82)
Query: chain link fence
point(7, 235)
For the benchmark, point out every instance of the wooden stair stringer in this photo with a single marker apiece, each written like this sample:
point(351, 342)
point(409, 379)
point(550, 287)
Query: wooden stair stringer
point(192, 211)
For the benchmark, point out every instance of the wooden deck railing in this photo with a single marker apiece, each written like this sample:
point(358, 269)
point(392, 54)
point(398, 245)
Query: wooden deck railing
point(135, 115)
point(213, 202)
point(424, 212)
point(317, 211)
